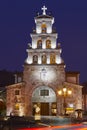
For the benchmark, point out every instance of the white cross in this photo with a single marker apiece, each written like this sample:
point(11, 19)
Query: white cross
point(44, 10)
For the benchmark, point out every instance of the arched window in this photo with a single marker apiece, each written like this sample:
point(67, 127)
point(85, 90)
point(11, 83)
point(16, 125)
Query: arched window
point(48, 43)
point(39, 44)
point(44, 28)
point(44, 59)
point(52, 58)
point(35, 59)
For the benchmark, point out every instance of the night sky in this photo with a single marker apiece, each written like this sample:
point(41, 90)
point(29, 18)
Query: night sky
point(17, 21)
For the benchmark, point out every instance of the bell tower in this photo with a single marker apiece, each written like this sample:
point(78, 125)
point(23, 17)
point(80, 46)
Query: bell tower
point(44, 67)
point(44, 48)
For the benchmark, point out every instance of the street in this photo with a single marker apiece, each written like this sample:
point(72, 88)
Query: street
point(63, 127)
point(58, 123)
point(46, 123)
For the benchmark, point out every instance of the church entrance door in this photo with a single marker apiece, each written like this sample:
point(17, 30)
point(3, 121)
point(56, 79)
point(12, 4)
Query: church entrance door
point(44, 109)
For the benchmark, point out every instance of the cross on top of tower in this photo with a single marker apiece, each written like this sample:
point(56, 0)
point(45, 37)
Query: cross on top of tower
point(44, 10)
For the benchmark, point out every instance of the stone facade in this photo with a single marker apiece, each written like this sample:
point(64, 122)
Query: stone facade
point(16, 99)
point(43, 76)
point(37, 76)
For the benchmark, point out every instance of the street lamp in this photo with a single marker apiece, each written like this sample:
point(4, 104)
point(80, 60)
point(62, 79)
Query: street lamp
point(64, 92)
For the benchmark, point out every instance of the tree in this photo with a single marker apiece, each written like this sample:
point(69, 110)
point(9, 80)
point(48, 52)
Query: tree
point(2, 107)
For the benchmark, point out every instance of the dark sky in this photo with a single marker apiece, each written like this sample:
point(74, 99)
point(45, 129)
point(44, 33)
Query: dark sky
point(17, 21)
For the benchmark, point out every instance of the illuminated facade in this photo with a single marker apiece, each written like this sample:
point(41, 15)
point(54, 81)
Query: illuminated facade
point(44, 74)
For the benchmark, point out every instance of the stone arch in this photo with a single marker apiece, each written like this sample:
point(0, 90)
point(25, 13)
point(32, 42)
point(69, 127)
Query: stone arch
point(44, 97)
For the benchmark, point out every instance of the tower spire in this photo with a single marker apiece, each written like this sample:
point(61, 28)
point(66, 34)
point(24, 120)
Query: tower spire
point(44, 10)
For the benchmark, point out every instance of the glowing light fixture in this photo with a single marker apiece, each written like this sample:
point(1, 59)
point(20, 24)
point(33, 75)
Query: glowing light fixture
point(60, 92)
point(64, 92)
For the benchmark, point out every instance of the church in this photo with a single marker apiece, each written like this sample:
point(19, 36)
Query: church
point(46, 89)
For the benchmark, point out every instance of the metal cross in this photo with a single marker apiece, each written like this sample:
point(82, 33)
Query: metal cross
point(44, 10)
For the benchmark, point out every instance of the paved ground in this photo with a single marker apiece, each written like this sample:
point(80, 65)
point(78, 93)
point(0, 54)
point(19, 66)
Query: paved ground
point(59, 123)
point(68, 127)
point(46, 123)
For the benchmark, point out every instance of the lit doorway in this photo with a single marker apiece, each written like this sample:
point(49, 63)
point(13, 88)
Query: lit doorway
point(44, 101)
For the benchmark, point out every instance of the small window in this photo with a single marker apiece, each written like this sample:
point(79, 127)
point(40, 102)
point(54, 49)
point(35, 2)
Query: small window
point(17, 92)
point(16, 106)
point(44, 92)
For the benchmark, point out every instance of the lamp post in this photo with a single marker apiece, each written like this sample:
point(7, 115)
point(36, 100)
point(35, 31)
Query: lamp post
point(64, 92)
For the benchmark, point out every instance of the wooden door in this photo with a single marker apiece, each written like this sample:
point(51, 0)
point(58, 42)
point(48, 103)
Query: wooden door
point(44, 109)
